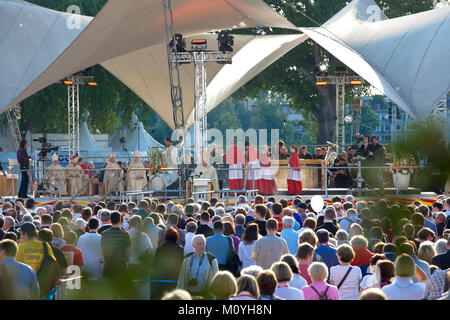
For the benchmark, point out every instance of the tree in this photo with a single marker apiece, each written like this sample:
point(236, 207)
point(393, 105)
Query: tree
point(293, 74)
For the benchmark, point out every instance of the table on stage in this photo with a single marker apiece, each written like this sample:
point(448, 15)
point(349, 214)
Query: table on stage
point(6, 185)
point(310, 177)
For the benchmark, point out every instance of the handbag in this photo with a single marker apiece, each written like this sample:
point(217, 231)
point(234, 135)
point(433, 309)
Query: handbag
point(233, 264)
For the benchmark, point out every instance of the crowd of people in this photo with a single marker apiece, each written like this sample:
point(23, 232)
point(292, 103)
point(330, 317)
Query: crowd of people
point(265, 250)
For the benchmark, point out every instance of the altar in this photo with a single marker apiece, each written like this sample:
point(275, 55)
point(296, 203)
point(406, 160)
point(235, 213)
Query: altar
point(6, 185)
point(310, 177)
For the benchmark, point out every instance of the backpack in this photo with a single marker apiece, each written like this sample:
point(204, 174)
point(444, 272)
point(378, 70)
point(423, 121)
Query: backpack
point(233, 264)
point(323, 295)
point(48, 272)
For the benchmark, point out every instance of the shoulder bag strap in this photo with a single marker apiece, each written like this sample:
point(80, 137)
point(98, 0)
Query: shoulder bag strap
point(317, 292)
point(230, 243)
point(345, 277)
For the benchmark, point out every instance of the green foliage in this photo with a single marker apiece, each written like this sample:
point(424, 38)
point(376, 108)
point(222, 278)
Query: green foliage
point(265, 115)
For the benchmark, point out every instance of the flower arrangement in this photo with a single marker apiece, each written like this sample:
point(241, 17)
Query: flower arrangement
point(403, 164)
point(156, 159)
point(401, 167)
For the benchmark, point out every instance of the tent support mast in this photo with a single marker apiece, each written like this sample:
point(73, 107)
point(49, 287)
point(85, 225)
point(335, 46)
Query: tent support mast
point(176, 92)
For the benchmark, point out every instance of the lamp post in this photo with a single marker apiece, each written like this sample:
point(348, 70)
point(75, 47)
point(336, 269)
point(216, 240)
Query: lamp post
point(284, 128)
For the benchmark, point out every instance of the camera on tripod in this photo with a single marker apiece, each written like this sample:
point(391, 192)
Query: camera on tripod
point(358, 142)
point(45, 148)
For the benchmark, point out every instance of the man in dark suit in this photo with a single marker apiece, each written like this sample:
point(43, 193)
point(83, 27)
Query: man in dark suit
point(330, 217)
point(203, 227)
point(442, 260)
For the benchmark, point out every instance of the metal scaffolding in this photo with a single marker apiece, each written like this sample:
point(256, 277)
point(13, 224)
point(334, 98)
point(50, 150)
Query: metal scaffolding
point(199, 59)
point(13, 115)
point(340, 82)
point(356, 117)
point(176, 92)
point(73, 109)
point(441, 111)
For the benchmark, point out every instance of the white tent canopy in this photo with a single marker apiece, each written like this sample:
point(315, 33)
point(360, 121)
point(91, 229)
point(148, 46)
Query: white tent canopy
point(87, 141)
point(252, 55)
point(141, 140)
point(136, 39)
point(31, 38)
point(407, 58)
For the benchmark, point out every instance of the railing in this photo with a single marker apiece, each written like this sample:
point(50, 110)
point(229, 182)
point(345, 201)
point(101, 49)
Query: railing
point(250, 194)
point(139, 194)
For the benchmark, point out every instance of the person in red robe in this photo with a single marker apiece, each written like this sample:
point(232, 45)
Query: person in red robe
point(83, 166)
point(294, 178)
point(253, 167)
point(234, 157)
point(267, 183)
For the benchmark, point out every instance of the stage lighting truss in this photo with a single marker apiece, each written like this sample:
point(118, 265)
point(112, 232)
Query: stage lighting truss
point(340, 81)
point(199, 56)
point(73, 84)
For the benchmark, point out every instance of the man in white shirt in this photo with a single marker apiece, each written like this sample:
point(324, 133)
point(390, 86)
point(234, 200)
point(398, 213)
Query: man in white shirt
point(191, 229)
point(90, 244)
point(403, 287)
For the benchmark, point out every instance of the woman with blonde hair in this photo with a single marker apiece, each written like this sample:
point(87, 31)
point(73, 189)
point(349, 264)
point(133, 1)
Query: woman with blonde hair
point(426, 251)
point(223, 285)
point(58, 235)
point(247, 288)
point(284, 276)
point(319, 288)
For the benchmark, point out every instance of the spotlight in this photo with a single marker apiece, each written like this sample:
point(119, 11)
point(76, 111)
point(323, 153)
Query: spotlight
point(321, 69)
point(348, 119)
point(92, 84)
point(226, 42)
point(68, 82)
point(199, 44)
point(179, 42)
